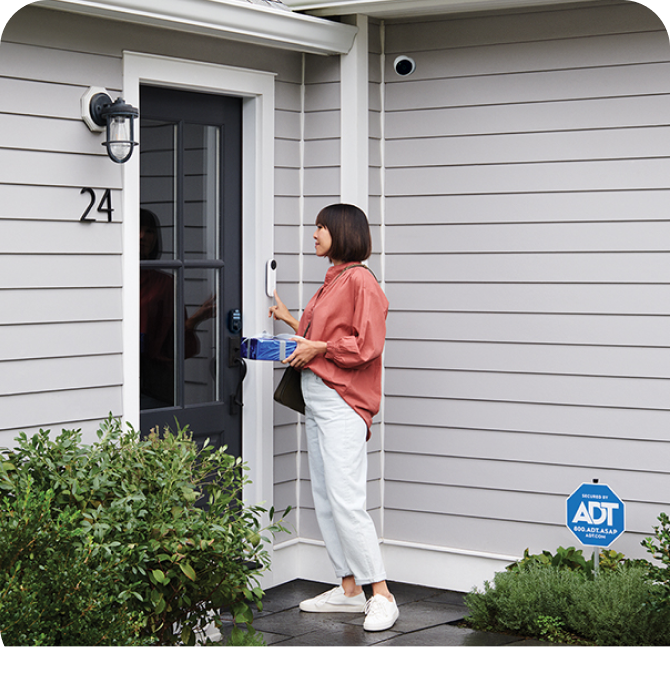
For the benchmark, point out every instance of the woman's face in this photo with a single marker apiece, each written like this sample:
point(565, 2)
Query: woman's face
point(147, 242)
point(322, 240)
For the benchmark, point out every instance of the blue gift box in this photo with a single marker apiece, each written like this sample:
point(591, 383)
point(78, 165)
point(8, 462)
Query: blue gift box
point(268, 347)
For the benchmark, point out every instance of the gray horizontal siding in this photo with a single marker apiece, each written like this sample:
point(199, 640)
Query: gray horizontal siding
point(545, 26)
point(521, 237)
point(526, 242)
point(566, 298)
point(60, 280)
point(582, 145)
point(520, 356)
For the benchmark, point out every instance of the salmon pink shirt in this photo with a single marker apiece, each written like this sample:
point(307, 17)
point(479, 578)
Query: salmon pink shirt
point(349, 313)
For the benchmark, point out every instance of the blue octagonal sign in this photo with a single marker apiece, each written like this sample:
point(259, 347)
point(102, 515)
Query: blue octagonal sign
point(595, 515)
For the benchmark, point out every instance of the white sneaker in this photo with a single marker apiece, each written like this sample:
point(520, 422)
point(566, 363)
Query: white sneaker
point(381, 613)
point(334, 601)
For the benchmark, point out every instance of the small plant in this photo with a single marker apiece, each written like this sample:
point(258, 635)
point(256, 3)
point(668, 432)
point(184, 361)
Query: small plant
point(573, 560)
point(166, 516)
point(551, 629)
point(565, 558)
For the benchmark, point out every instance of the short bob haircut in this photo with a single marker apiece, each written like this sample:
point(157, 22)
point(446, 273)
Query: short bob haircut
point(349, 230)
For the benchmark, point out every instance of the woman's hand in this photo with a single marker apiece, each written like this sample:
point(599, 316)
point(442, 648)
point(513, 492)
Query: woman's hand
point(280, 313)
point(305, 352)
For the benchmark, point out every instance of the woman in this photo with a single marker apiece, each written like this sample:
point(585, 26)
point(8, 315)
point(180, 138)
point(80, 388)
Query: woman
point(340, 342)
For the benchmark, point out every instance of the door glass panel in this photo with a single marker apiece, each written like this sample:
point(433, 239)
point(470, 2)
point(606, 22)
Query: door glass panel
point(190, 266)
point(201, 192)
point(157, 338)
point(201, 367)
point(159, 189)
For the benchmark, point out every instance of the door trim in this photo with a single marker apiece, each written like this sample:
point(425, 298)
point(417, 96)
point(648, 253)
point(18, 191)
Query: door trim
point(257, 89)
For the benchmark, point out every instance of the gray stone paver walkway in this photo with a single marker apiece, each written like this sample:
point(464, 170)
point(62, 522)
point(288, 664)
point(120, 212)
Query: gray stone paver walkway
point(428, 617)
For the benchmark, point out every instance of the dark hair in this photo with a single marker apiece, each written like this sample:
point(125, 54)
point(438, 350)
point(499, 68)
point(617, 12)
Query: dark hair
point(349, 230)
point(149, 220)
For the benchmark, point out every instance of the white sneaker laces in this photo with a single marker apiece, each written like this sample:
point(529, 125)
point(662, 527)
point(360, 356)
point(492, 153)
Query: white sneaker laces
point(374, 605)
point(325, 597)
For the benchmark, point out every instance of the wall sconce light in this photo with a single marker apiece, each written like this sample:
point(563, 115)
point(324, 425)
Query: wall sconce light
point(116, 118)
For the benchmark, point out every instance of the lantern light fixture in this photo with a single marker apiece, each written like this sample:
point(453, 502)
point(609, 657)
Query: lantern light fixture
point(115, 118)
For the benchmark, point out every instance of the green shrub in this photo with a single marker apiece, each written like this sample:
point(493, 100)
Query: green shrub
point(610, 609)
point(52, 592)
point(178, 563)
point(659, 548)
point(517, 599)
point(616, 610)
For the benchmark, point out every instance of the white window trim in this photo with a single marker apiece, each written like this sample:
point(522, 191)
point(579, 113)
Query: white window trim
point(257, 91)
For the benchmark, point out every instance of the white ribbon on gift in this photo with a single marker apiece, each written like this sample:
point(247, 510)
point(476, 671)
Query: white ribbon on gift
point(283, 337)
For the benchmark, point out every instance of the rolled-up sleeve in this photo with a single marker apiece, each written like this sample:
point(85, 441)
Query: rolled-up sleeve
point(368, 328)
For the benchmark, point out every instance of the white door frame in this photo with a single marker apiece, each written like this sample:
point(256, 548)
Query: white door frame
point(257, 91)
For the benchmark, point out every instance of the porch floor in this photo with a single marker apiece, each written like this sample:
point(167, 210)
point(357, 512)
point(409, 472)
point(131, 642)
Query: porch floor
point(428, 617)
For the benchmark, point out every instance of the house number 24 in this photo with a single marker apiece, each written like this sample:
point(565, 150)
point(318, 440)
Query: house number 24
point(104, 205)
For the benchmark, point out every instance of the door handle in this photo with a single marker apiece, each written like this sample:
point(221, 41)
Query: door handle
point(234, 360)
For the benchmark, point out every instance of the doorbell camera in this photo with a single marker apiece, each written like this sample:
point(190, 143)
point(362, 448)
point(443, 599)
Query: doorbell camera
point(404, 65)
point(270, 277)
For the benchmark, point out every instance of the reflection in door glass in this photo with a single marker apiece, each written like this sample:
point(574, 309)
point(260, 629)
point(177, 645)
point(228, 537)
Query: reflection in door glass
point(180, 297)
point(201, 191)
point(157, 338)
point(159, 140)
point(201, 368)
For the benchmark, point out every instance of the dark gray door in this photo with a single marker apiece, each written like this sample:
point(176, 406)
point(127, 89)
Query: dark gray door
point(190, 263)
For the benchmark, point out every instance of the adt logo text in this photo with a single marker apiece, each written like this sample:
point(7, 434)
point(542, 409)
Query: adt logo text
point(595, 515)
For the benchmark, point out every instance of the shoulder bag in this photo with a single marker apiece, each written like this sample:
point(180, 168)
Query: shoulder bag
point(289, 389)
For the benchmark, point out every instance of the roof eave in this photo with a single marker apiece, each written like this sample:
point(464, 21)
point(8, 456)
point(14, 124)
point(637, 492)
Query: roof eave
point(230, 19)
point(408, 8)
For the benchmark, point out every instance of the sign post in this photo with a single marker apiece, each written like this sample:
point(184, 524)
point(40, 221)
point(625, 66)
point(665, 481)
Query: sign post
point(596, 516)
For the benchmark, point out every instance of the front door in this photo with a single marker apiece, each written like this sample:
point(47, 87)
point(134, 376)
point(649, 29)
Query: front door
point(190, 264)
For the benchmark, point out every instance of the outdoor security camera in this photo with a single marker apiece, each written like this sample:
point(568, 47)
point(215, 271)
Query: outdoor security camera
point(404, 65)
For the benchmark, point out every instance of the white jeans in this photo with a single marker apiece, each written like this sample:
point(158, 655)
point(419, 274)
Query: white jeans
point(336, 445)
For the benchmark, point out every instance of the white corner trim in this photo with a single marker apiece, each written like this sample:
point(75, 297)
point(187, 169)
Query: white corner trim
point(229, 19)
point(256, 89)
point(354, 120)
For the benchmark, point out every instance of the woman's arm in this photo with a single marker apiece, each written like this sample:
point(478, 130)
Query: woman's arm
point(280, 313)
point(368, 328)
point(306, 351)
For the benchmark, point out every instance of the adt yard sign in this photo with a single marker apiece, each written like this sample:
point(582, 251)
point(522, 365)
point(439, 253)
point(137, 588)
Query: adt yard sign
point(595, 515)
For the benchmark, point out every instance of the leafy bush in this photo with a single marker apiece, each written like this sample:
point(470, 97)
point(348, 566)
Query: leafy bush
point(660, 550)
point(609, 609)
point(135, 505)
point(52, 593)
